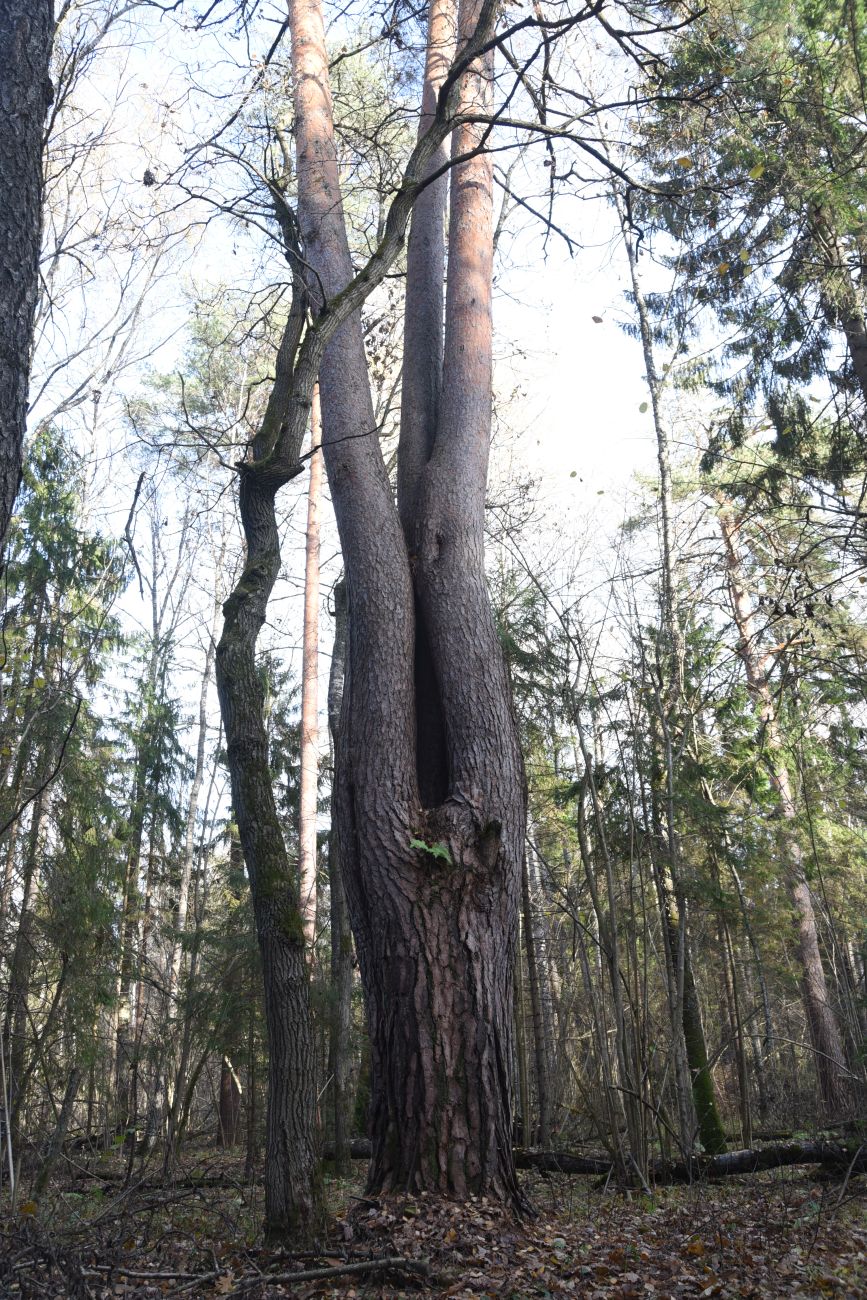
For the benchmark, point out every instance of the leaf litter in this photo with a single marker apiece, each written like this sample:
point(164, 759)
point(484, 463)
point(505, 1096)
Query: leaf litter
point(776, 1235)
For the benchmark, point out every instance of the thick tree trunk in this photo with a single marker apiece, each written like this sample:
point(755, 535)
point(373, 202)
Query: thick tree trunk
point(431, 858)
point(824, 1029)
point(26, 34)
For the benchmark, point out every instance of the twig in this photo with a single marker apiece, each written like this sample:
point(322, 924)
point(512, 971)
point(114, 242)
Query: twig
point(52, 774)
point(127, 532)
point(152, 1277)
point(391, 1263)
point(852, 1162)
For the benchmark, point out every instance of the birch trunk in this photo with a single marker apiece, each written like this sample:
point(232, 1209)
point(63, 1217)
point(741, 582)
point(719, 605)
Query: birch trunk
point(310, 691)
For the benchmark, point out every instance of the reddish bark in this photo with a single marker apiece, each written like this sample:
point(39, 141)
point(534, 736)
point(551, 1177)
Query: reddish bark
point(435, 932)
point(26, 35)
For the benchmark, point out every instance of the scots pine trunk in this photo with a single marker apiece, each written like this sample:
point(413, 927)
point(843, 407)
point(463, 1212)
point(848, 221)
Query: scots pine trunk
point(429, 788)
point(26, 34)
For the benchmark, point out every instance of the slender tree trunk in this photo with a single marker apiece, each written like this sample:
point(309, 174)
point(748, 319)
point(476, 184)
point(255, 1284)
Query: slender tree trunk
point(230, 1105)
point(543, 1043)
point(180, 927)
point(310, 692)
point(290, 1198)
point(60, 1130)
point(521, 1055)
point(252, 1144)
point(21, 966)
point(26, 34)
point(821, 1018)
point(669, 704)
point(624, 1104)
point(341, 935)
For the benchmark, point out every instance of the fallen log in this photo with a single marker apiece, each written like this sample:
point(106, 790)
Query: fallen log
point(832, 1155)
point(562, 1162)
point(841, 1156)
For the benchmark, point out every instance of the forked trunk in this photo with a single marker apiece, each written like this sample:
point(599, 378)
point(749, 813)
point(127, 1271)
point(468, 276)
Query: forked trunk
point(429, 789)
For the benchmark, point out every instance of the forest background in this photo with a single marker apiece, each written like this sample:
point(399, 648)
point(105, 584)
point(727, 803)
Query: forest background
point(675, 558)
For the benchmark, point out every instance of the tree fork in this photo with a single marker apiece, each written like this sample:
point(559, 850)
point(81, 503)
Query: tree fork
point(433, 891)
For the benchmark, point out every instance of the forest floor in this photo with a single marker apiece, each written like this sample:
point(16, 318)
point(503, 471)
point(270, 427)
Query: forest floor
point(789, 1233)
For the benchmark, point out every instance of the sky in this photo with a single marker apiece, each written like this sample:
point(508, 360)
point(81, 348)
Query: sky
point(569, 380)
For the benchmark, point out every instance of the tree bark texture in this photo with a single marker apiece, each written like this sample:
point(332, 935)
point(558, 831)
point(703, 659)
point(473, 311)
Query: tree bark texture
point(429, 790)
point(26, 34)
point(289, 1201)
point(822, 1021)
point(230, 1105)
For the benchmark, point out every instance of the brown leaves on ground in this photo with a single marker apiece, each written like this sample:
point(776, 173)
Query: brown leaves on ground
point(762, 1238)
point(769, 1236)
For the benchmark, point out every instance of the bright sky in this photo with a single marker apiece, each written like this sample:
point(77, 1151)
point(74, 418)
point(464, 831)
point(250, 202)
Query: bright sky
point(578, 382)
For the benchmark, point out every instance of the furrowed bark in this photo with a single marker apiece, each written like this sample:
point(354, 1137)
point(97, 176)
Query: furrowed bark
point(290, 1200)
point(26, 34)
point(435, 930)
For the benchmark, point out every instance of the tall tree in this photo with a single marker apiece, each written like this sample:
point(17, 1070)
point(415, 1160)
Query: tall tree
point(310, 690)
point(26, 31)
point(822, 1019)
point(429, 793)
